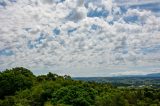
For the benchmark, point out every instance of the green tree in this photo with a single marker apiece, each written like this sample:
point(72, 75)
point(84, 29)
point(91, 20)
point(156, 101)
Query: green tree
point(14, 80)
point(74, 95)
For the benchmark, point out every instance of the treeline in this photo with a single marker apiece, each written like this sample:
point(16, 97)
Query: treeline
point(20, 87)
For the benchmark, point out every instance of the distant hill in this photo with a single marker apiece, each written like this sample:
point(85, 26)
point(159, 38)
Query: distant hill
point(127, 80)
point(153, 75)
point(147, 75)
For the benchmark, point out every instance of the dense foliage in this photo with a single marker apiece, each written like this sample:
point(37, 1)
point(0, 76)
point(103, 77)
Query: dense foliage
point(19, 87)
point(15, 79)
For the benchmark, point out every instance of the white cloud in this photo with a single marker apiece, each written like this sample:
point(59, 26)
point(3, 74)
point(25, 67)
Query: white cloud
point(88, 45)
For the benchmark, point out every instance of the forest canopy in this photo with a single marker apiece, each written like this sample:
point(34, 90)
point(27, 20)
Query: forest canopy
point(20, 87)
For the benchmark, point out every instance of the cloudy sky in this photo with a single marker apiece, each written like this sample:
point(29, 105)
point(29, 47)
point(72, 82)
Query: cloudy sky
point(81, 37)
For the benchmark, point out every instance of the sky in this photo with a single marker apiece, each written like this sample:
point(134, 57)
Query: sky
point(81, 38)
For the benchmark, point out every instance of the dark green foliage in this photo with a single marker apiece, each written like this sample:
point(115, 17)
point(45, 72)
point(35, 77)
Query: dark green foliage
point(19, 87)
point(74, 95)
point(14, 80)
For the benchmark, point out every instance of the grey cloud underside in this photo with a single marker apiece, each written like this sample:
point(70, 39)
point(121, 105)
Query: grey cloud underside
point(60, 35)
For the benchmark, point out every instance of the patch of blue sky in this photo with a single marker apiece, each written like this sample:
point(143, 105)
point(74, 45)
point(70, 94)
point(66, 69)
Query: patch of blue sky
point(95, 27)
point(38, 41)
point(122, 49)
point(72, 30)
point(154, 7)
point(56, 31)
point(27, 29)
point(62, 42)
point(125, 51)
point(6, 52)
point(59, 1)
point(3, 3)
point(30, 45)
point(111, 22)
point(123, 9)
point(74, 16)
point(13, 1)
point(98, 13)
point(131, 19)
point(152, 49)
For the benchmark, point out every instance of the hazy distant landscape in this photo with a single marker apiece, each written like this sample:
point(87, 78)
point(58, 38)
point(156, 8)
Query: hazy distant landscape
point(132, 81)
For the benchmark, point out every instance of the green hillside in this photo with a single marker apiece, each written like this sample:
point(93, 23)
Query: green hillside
point(20, 87)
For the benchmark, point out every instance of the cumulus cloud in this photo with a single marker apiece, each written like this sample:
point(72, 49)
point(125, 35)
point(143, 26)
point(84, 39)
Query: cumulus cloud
point(77, 37)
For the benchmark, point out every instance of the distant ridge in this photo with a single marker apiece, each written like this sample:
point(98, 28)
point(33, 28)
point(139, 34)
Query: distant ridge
point(154, 75)
point(147, 75)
